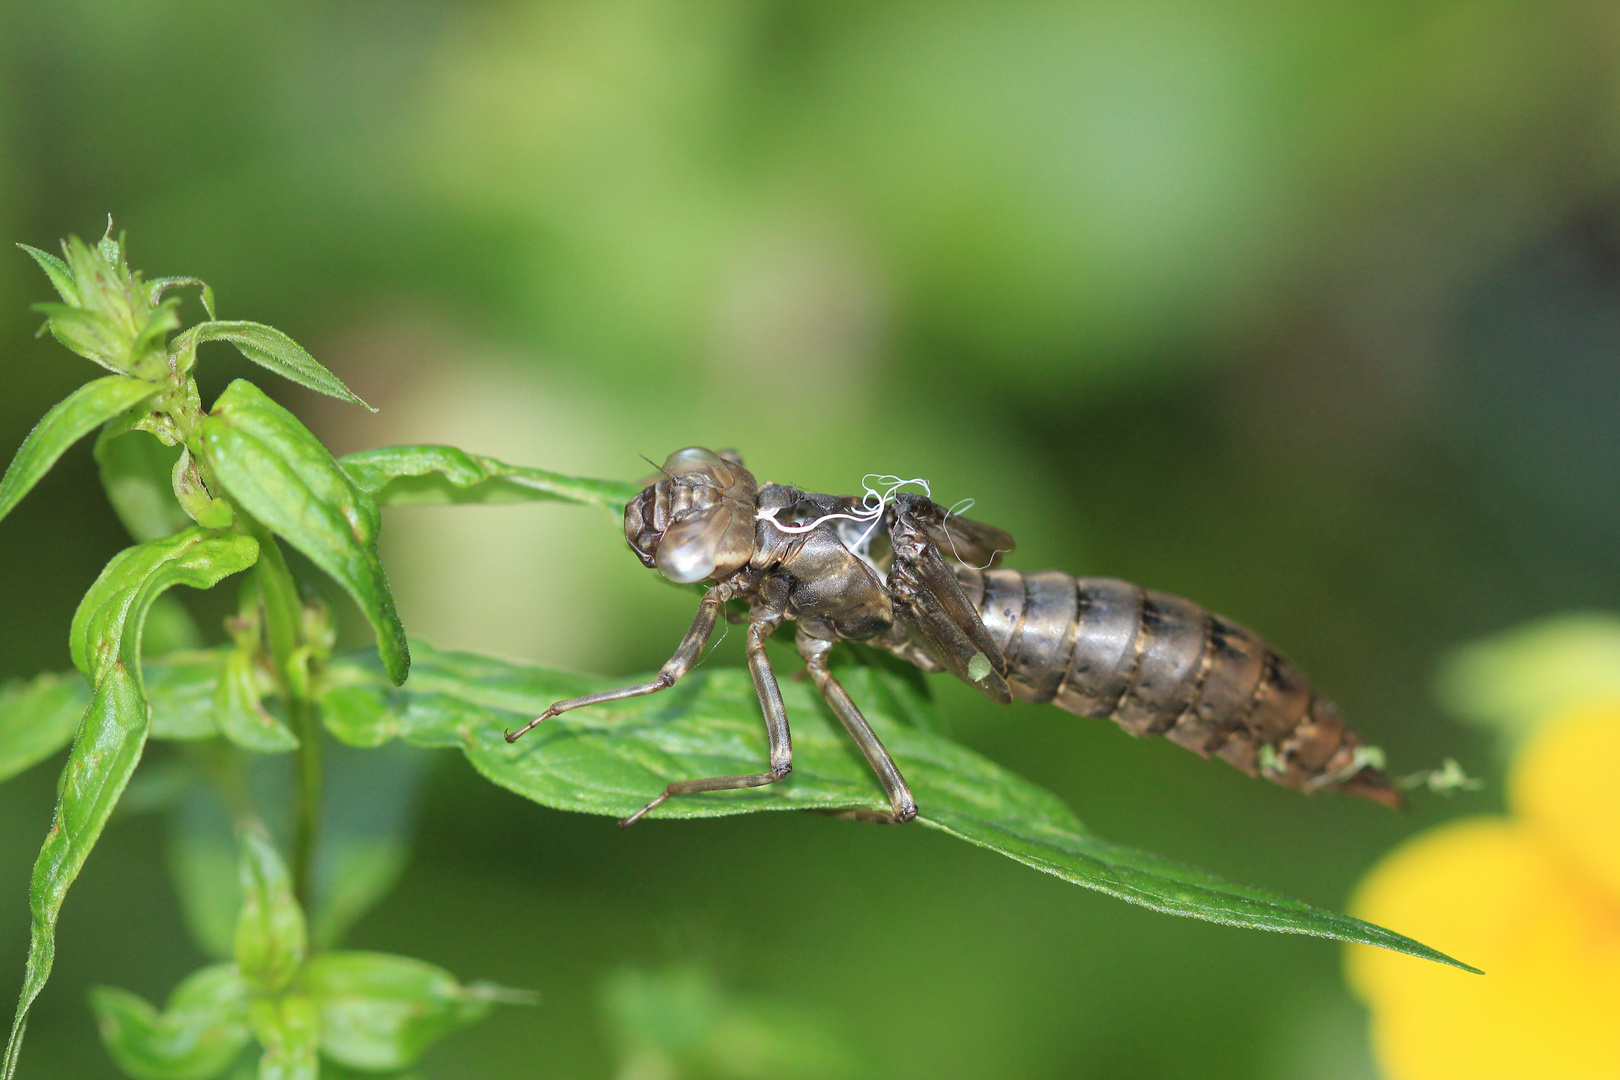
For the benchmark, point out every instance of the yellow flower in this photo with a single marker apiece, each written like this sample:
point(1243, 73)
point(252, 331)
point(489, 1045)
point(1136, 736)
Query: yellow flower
point(1533, 899)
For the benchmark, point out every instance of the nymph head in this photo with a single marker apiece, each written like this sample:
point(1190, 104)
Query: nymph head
point(696, 522)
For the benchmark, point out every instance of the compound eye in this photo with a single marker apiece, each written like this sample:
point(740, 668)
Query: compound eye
point(690, 550)
point(692, 459)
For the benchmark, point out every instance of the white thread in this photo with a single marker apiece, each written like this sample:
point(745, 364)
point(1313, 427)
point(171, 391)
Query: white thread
point(872, 503)
point(962, 506)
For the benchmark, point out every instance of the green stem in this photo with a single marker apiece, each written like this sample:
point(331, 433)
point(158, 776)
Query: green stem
point(283, 611)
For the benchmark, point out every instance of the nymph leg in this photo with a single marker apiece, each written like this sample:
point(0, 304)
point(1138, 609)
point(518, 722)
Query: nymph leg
point(776, 728)
point(685, 656)
point(814, 651)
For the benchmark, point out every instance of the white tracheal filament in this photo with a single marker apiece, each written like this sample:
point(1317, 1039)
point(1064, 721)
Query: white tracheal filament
point(878, 492)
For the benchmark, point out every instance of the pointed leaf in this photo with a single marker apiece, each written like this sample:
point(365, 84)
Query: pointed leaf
point(282, 475)
point(441, 475)
point(90, 334)
point(70, 420)
point(198, 1035)
point(136, 472)
point(289, 1030)
point(106, 646)
point(380, 1012)
point(57, 270)
point(611, 759)
point(270, 348)
point(38, 718)
point(270, 934)
point(241, 716)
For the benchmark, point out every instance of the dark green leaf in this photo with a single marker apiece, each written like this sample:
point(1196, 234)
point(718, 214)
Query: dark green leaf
point(441, 475)
point(367, 815)
point(70, 420)
point(289, 1030)
point(106, 646)
point(239, 713)
point(270, 934)
point(380, 1012)
point(270, 348)
point(201, 1032)
point(38, 718)
point(57, 270)
point(284, 477)
point(136, 473)
point(611, 759)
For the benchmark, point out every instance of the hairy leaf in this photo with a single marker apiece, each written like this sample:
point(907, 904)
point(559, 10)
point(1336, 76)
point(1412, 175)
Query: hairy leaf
point(441, 475)
point(199, 1034)
point(611, 759)
point(270, 933)
point(70, 420)
point(38, 718)
point(289, 1030)
point(284, 477)
point(270, 348)
point(136, 471)
point(57, 270)
point(106, 646)
point(380, 1012)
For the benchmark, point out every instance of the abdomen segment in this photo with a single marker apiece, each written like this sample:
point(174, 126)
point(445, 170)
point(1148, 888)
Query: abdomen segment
point(1160, 665)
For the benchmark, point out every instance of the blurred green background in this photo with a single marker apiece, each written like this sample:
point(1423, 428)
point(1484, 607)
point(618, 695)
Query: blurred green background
point(1306, 311)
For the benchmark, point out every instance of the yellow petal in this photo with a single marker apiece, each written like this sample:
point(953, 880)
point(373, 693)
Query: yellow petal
point(1566, 784)
point(1486, 891)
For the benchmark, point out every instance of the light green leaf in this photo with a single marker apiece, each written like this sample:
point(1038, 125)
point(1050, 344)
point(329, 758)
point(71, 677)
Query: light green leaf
point(270, 934)
point(198, 1035)
point(180, 688)
point(90, 334)
point(239, 713)
point(106, 646)
point(381, 1012)
point(611, 759)
point(289, 1030)
point(57, 270)
point(38, 718)
point(70, 420)
point(1514, 680)
point(442, 475)
point(137, 474)
point(270, 348)
point(284, 477)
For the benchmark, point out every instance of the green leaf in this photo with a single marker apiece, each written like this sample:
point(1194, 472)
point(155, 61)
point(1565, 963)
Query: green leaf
point(611, 759)
point(239, 713)
point(136, 471)
point(70, 420)
point(270, 348)
point(284, 477)
point(270, 934)
point(180, 688)
point(90, 334)
point(106, 646)
point(198, 1035)
point(442, 475)
point(289, 1030)
point(38, 718)
point(57, 270)
point(381, 1012)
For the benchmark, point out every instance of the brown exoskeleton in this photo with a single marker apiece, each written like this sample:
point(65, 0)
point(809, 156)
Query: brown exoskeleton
point(1155, 664)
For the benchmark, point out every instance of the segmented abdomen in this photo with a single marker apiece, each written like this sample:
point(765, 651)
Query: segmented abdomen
point(1160, 665)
